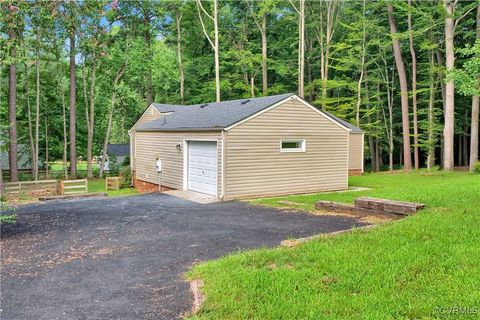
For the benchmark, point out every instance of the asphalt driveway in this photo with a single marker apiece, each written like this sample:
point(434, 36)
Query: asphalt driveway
point(124, 258)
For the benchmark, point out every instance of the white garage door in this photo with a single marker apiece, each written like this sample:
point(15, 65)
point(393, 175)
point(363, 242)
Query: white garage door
point(202, 166)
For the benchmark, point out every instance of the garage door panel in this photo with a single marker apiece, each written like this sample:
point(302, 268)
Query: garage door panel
point(202, 166)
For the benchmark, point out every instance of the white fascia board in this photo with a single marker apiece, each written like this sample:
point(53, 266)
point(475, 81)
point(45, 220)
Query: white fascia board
point(143, 114)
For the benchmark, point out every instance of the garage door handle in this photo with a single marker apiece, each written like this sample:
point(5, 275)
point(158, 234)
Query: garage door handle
point(203, 172)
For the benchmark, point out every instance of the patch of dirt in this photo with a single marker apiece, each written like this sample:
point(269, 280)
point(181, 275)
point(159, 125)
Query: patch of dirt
point(295, 242)
point(198, 296)
point(364, 219)
point(76, 253)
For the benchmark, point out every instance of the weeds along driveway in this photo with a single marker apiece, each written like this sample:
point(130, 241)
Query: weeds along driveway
point(124, 258)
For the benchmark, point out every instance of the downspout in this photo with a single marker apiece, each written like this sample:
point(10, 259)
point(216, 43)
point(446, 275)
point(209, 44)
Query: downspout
point(132, 178)
point(363, 152)
point(222, 196)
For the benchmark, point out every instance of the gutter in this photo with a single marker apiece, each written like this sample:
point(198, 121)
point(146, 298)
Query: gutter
point(180, 129)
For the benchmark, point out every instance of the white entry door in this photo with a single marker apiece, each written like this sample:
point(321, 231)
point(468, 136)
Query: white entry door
point(202, 167)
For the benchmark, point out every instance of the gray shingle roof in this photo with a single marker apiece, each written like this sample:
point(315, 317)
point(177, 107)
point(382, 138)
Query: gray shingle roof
point(214, 115)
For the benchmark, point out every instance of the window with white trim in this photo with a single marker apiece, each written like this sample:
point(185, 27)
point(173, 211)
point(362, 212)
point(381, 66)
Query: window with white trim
point(292, 145)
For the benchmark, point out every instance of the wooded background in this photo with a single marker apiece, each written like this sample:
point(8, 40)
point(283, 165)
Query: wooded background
point(76, 75)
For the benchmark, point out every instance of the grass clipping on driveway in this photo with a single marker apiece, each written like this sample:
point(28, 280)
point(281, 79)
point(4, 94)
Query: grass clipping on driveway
point(406, 269)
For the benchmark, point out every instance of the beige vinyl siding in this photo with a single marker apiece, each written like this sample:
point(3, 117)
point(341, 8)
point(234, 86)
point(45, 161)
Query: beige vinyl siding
point(149, 115)
point(151, 143)
point(255, 167)
point(355, 156)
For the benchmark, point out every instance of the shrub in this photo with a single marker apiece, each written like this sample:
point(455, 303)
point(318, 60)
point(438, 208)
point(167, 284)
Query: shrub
point(6, 213)
point(126, 177)
point(476, 167)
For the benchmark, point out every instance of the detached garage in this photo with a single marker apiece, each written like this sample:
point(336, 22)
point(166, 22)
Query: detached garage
point(234, 149)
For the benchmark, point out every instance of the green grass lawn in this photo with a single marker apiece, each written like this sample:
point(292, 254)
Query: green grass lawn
point(405, 269)
point(98, 185)
point(58, 165)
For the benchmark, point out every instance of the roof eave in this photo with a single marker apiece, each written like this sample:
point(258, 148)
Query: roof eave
point(178, 129)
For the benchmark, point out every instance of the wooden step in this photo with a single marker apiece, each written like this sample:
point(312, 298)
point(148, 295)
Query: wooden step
point(365, 206)
point(391, 206)
point(337, 207)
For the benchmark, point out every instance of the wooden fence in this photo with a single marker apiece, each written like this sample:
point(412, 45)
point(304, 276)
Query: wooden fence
point(68, 187)
point(31, 188)
point(112, 183)
point(26, 174)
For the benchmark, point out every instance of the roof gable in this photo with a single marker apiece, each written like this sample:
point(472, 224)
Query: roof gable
point(223, 115)
point(214, 115)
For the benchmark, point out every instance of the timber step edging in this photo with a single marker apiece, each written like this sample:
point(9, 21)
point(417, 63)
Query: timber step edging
point(392, 206)
point(365, 206)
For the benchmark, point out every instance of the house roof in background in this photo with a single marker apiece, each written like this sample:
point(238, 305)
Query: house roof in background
point(217, 115)
point(119, 149)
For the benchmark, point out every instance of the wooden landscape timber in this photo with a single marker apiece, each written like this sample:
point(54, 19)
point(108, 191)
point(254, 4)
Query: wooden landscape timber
point(365, 206)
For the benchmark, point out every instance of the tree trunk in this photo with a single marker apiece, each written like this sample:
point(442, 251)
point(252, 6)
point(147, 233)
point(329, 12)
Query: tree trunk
point(460, 154)
point(148, 42)
point(1, 179)
point(216, 50)
point(30, 126)
point(371, 145)
point(475, 111)
point(378, 159)
point(449, 130)
point(12, 110)
point(465, 140)
point(64, 115)
point(389, 124)
point(301, 49)
point(377, 155)
point(431, 102)
point(474, 133)
point(371, 138)
point(441, 62)
point(37, 112)
point(332, 9)
point(252, 87)
point(46, 148)
point(309, 67)
point(414, 87)
point(322, 55)
point(73, 115)
point(110, 117)
point(178, 19)
point(263, 33)
point(390, 114)
point(362, 65)
point(91, 120)
point(403, 88)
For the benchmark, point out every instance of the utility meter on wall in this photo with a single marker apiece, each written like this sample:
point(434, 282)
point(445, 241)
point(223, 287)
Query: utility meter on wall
point(158, 165)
